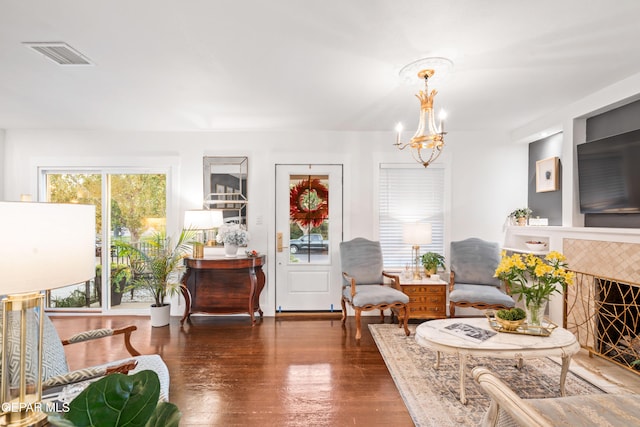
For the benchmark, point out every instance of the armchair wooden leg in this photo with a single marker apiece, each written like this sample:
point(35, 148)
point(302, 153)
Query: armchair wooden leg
point(358, 325)
point(405, 315)
point(344, 311)
point(452, 309)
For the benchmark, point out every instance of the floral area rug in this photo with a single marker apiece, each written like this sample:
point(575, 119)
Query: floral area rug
point(431, 395)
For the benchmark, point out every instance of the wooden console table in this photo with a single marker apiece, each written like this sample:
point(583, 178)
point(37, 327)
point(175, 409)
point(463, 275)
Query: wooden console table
point(219, 285)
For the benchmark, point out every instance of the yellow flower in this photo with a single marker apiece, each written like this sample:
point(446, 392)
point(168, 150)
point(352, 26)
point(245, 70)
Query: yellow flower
point(542, 269)
point(555, 256)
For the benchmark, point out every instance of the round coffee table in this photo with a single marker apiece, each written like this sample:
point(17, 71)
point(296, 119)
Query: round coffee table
point(561, 343)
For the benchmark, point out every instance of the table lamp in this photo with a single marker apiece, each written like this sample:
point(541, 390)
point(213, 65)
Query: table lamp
point(416, 234)
point(44, 246)
point(202, 220)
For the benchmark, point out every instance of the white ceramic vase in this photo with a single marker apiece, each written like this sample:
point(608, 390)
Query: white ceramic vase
point(230, 251)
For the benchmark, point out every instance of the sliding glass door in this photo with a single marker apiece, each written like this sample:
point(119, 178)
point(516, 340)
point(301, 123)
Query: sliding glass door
point(129, 207)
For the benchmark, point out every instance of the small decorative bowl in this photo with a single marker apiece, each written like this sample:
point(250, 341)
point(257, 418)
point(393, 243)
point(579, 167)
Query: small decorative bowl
point(536, 246)
point(509, 325)
point(252, 254)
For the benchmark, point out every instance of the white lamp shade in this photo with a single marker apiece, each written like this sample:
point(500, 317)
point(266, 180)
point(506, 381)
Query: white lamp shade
point(45, 246)
point(202, 219)
point(417, 233)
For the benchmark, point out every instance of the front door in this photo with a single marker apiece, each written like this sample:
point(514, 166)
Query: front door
point(308, 234)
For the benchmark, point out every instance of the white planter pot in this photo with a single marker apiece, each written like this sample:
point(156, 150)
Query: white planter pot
point(160, 315)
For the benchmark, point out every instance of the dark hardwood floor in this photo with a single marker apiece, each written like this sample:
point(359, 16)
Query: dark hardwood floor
point(280, 372)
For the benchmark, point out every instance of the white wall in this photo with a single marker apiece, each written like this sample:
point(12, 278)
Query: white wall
point(2, 162)
point(488, 174)
point(571, 120)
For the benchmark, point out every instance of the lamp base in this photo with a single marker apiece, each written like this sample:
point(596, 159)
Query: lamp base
point(20, 394)
point(416, 254)
point(29, 417)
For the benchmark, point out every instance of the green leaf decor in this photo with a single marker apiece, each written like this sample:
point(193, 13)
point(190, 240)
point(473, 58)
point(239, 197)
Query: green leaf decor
point(120, 400)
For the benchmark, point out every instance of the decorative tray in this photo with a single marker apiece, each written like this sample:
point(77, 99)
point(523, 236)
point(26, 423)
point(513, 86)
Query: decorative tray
point(542, 331)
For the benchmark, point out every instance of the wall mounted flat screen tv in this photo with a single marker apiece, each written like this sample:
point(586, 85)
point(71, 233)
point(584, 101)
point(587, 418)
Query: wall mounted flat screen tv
point(609, 174)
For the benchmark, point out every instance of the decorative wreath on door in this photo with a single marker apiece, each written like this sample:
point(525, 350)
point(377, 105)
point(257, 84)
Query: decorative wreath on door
point(305, 208)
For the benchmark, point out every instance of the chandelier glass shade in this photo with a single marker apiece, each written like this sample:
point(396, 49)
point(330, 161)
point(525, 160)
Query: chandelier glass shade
point(427, 143)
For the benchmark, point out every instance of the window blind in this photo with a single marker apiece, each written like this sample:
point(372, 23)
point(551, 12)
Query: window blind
point(409, 194)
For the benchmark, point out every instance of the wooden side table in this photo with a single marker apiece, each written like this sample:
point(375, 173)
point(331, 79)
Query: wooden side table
point(219, 285)
point(427, 298)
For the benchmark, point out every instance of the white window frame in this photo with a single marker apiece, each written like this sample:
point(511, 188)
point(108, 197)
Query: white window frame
point(441, 241)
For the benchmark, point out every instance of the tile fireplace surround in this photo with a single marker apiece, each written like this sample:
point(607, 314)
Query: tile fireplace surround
point(616, 260)
point(603, 307)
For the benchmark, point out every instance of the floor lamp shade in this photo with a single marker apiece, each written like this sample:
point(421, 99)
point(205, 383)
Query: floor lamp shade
point(45, 246)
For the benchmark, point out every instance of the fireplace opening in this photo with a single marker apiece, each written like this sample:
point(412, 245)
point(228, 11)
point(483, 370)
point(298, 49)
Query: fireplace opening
point(617, 318)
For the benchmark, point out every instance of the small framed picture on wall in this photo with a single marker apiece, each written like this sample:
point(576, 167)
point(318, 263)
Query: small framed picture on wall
point(547, 175)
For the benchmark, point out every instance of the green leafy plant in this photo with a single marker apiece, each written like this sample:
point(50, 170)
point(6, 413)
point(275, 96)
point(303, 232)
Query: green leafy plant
point(432, 260)
point(77, 298)
point(158, 267)
point(515, 313)
point(120, 400)
point(120, 276)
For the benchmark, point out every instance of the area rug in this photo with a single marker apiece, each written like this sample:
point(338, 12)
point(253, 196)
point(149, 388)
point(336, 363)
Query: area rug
point(432, 395)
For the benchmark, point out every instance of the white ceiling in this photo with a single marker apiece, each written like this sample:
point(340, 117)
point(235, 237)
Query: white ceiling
point(306, 65)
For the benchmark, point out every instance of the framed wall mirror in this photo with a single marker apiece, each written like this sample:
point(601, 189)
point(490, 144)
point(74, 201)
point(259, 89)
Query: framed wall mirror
point(225, 186)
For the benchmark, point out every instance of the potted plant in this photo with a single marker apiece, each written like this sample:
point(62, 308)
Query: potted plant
point(120, 278)
point(431, 261)
point(158, 268)
point(510, 319)
point(521, 215)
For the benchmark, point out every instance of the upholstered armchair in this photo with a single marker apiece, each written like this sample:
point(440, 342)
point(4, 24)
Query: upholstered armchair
point(55, 369)
point(508, 409)
point(363, 282)
point(473, 263)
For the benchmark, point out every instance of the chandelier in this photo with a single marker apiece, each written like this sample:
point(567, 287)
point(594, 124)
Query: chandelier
point(427, 143)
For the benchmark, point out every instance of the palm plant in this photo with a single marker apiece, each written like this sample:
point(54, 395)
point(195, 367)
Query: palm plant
point(157, 268)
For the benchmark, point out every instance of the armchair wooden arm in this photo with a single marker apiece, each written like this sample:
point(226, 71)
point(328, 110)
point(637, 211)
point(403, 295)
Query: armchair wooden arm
point(452, 280)
point(352, 283)
point(395, 279)
point(102, 333)
point(503, 398)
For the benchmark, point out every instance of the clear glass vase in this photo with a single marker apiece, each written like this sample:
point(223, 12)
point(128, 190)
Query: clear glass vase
point(535, 312)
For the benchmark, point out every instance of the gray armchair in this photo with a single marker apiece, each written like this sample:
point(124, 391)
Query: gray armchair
point(472, 282)
point(363, 282)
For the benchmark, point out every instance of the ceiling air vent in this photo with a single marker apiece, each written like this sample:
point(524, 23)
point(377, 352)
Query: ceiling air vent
point(59, 52)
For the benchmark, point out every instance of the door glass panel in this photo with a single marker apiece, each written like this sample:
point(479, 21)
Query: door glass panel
point(84, 188)
point(309, 219)
point(138, 213)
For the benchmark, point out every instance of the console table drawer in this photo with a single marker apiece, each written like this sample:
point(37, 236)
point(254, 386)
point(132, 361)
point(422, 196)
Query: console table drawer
point(426, 301)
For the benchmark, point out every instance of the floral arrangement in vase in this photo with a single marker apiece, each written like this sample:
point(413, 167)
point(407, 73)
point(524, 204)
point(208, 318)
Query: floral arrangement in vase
point(534, 278)
point(233, 234)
